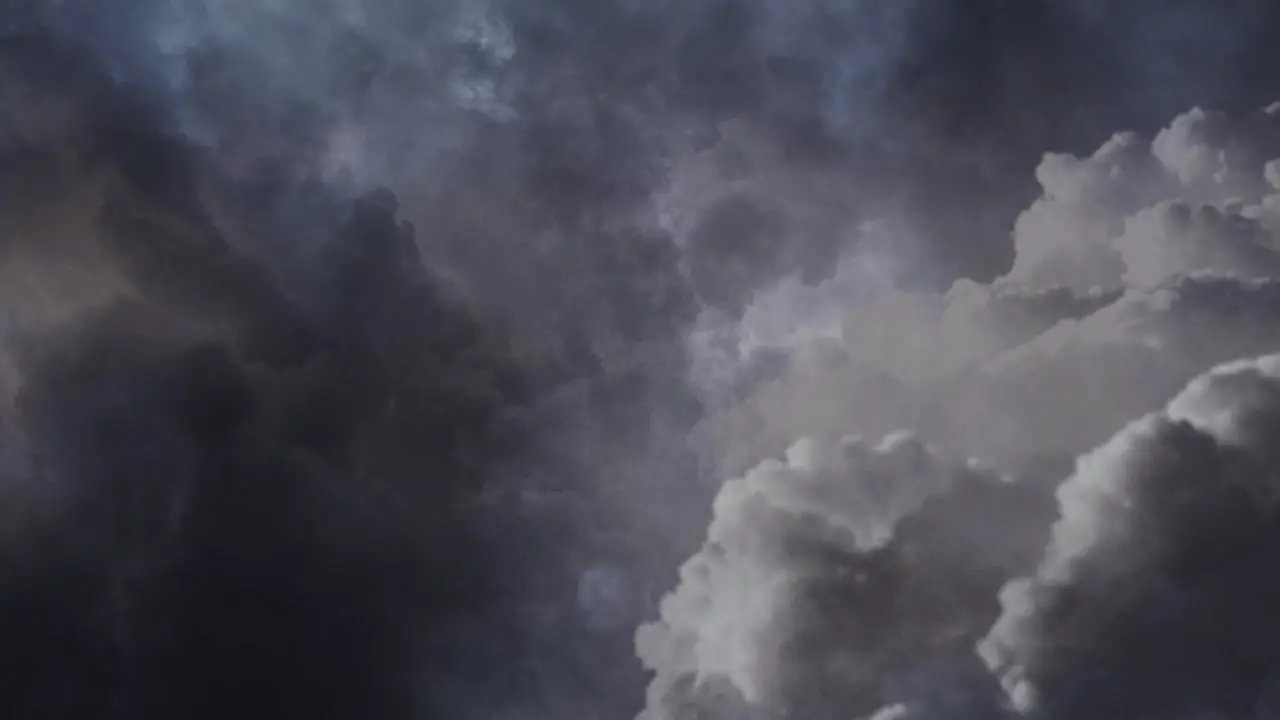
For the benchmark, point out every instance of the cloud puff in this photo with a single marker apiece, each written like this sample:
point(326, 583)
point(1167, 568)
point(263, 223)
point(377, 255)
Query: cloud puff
point(1138, 267)
point(1154, 596)
point(1083, 232)
point(848, 575)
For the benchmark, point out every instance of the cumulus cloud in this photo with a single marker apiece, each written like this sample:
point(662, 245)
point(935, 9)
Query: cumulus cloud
point(1139, 268)
point(423, 450)
point(849, 575)
point(1153, 597)
point(1087, 229)
point(1175, 238)
point(1075, 384)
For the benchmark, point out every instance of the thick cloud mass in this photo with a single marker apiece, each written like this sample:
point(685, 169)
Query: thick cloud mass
point(1140, 268)
point(1155, 597)
point(847, 577)
point(352, 351)
point(1086, 230)
point(235, 482)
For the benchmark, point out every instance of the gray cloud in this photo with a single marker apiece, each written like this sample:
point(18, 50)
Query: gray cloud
point(1151, 599)
point(230, 360)
point(1140, 267)
point(846, 577)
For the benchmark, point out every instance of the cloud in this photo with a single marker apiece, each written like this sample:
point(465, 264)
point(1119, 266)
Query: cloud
point(1139, 268)
point(1087, 230)
point(1152, 597)
point(227, 349)
point(1176, 238)
point(849, 575)
point(230, 473)
point(1071, 387)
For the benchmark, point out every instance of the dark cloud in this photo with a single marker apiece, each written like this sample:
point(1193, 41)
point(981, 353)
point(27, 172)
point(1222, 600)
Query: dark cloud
point(938, 110)
point(274, 431)
point(234, 485)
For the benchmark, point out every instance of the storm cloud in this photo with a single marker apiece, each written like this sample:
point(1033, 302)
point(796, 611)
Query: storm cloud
point(385, 359)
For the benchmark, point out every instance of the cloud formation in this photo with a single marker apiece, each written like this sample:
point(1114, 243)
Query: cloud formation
point(1140, 269)
point(349, 350)
point(235, 482)
point(1153, 597)
point(850, 575)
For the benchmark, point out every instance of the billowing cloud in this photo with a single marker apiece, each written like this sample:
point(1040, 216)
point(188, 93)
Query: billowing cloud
point(845, 577)
point(1087, 229)
point(1140, 268)
point(1154, 596)
point(349, 350)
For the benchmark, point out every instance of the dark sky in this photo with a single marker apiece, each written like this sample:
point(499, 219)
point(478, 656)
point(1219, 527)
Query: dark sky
point(287, 432)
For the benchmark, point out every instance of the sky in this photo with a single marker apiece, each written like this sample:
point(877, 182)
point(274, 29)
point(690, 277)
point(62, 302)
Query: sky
point(613, 359)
